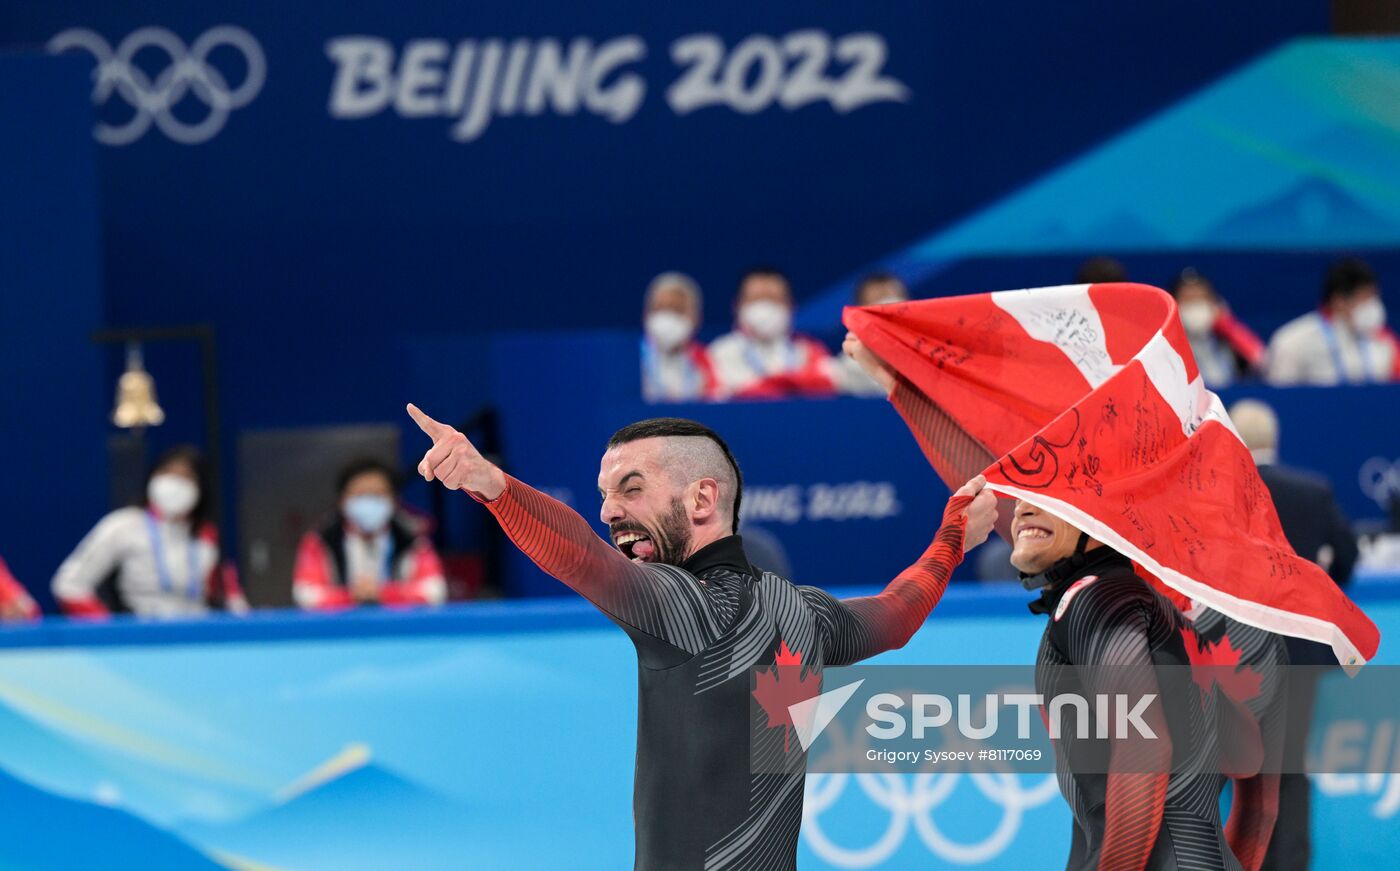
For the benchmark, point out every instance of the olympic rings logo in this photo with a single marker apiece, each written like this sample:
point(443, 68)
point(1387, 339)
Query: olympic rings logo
point(188, 73)
point(1380, 480)
point(911, 800)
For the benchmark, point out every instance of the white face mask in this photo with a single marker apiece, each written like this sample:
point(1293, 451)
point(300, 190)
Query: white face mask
point(1197, 317)
point(1369, 316)
point(765, 320)
point(172, 495)
point(369, 512)
point(667, 330)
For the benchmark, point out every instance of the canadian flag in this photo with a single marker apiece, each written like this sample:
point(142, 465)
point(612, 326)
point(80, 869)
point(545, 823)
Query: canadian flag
point(1085, 401)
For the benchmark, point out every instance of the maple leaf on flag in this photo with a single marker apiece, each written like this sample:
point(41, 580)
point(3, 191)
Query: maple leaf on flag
point(783, 685)
point(1219, 663)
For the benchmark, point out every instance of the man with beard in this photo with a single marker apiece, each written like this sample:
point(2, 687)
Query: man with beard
point(676, 580)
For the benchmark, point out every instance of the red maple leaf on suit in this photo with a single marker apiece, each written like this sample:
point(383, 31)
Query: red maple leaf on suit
point(1219, 663)
point(783, 685)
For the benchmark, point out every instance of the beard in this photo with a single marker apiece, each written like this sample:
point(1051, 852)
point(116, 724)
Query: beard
point(670, 535)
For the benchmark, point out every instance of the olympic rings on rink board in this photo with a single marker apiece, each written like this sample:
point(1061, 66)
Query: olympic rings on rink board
point(188, 73)
point(912, 798)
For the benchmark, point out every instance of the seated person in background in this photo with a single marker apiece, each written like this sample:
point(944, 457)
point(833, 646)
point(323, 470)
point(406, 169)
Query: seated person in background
point(1344, 342)
point(16, 605)
point(1225, 349)
point(877, 288)
point(675, 367)
point(1101, 270)
point(762, 358)
point(372, 553)
point(158, 559)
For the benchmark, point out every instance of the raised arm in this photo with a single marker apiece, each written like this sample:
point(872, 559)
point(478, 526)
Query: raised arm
point(954, 455)
point(859, 628)
point(653, 602)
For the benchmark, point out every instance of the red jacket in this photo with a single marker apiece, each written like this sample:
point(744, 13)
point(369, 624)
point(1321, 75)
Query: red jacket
point(319, 583)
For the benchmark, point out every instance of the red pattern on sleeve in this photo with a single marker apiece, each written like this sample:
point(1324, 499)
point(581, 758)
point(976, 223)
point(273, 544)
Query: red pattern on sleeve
point(558, 540)
point(1253, 813)
point(1133, 809)
point(862, 627)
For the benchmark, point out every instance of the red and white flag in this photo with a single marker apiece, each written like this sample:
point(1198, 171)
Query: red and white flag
point(1086, 402)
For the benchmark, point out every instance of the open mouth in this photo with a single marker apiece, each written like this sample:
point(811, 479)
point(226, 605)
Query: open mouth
point(1031, 533)
point(636, 546)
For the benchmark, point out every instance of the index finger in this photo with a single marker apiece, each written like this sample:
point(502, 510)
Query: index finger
point(972, 487)
point(425, 423)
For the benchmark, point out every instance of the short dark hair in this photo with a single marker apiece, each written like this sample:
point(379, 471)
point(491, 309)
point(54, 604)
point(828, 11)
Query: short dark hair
point(876, 278)
point(361, 465)
point(1345, 277)
point(203, 509)
point(1101, 270)
point(1190, 276)
point(763, 270)
point(680, 427)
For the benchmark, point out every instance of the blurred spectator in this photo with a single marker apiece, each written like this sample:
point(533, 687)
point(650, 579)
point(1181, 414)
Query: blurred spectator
point(15, 602)
point(1101, 270)
point(1344, 341)
point(765, 550)
point(159, 559)
point(1308, 511)
point(372, 553)
point(1225, 349)
point(762, 357)
point(1316, 528)
point(877, 288)
point(675, 367)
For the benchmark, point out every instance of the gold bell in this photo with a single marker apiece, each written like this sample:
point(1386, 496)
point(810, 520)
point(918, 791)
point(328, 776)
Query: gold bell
point(136, 394)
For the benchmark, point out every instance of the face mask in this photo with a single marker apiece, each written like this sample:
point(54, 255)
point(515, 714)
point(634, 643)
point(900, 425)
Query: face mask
point(1197, 317)
point(667, 330)
point(1369, 316)
point(369, 513)
point(172, 495)
point(765, 320)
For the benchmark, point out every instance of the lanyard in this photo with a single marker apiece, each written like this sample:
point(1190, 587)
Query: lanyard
point(1363, 346)
point(756, 363)
point(193, 588)
point(690, 373)
point(1218, 357)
